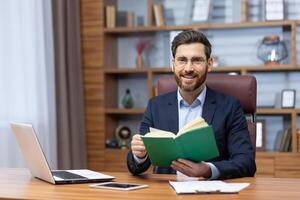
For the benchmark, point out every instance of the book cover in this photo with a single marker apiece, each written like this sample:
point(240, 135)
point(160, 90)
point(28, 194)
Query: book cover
point(107, 17)
point(122, 19)
point(158, 14)
point(113, 16)
point(195, 142)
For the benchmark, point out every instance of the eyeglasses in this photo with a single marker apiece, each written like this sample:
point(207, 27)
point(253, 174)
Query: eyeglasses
point(183, 61)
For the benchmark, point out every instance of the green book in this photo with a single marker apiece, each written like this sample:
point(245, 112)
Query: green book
point(195, 142)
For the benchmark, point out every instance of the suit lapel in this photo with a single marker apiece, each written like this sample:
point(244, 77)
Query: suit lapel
point(172, 112)
point(209, 107)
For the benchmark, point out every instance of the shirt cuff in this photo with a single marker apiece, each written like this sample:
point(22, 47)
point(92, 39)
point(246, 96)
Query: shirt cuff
point(139, 160)
point(215, 173)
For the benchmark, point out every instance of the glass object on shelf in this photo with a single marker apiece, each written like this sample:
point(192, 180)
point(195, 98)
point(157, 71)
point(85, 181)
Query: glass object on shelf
point(272, 50)
point(127, 100)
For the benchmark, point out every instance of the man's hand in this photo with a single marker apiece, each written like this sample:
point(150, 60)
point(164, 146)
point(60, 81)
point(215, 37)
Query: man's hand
point(190, 168)
point(138, 147)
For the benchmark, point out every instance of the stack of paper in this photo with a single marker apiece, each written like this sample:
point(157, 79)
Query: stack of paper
point(185, 187)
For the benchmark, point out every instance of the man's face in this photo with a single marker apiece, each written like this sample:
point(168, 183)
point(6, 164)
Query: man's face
point(190, 66)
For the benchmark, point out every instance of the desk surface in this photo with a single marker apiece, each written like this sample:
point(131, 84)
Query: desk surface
point(18, 184)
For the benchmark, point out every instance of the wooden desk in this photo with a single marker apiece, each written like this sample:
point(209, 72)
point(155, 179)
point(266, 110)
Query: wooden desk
point(18, 184)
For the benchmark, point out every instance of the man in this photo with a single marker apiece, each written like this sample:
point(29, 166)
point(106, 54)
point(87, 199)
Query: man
point(191, 52)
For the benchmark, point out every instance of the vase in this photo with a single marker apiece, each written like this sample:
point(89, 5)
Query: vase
point(272, 50)
point(139, 61)
point(127, 100)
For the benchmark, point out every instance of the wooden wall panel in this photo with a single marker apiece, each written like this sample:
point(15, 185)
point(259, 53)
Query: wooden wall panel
point(265, 166)
point(93, 123)
point(92, 52)
point(92, 17)
point(287, 166)
point(93, 107)
point(93, 76)
point(92, 61)
point(92, 92)
point(115, 160)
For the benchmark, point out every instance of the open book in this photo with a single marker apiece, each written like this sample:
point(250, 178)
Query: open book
point(195, 141)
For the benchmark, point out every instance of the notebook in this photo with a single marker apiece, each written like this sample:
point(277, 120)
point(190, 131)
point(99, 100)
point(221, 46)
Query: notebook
point(38, 165)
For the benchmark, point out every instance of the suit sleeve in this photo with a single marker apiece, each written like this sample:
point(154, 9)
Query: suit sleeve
point(241, 160)
point(146, 123)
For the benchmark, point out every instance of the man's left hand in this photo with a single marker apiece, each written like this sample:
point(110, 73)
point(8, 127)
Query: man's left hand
point(190, 168)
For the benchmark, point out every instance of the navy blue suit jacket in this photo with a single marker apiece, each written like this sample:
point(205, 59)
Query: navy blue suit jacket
point(224, 113)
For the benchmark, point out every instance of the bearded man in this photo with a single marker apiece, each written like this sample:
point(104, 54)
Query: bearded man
point(191, 62)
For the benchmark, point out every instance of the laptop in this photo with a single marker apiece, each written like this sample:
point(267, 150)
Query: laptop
point(38, 165)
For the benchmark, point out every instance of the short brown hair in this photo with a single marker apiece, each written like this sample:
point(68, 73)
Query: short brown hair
point(189, 37)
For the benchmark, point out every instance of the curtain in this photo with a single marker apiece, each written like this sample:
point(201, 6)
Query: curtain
point(26, 77)
point(69, 84)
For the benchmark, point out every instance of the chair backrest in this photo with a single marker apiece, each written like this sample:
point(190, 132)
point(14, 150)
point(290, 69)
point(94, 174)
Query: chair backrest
point(243, 87)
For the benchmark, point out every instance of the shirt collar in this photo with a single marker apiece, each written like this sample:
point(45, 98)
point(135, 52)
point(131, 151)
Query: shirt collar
point(198, 101)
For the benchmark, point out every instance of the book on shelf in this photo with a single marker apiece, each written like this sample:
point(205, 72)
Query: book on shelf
point(110, 16)
point(278, 139)
point(130, 19)
point(195, 141)
point(158, 15)
point(286, 141)
point(121, 19)
point(244, 10)
point(125, 19)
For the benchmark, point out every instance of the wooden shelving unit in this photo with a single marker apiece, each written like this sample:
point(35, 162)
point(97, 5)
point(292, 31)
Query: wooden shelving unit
point(102, 71)
point(240, 69)
point(125, 30)
point(122, 111)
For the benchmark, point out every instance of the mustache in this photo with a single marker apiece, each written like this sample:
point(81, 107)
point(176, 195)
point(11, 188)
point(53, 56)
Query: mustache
point(189, 74)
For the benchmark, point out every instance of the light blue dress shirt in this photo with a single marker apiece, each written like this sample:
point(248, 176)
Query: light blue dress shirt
point(187, 113)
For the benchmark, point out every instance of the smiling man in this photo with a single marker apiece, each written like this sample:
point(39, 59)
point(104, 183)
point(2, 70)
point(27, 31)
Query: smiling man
point(191, 62)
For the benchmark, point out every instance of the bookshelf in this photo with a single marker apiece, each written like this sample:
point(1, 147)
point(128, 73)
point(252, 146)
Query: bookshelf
point(102, 49)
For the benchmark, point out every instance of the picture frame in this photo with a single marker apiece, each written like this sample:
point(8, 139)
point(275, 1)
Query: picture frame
point(260, 135)
point(288, 98)
point(200, 10)
point(273, 9)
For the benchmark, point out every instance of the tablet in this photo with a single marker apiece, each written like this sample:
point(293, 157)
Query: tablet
point(118, 186)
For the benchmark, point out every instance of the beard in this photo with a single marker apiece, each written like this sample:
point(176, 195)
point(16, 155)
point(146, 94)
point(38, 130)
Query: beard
point(199, 80)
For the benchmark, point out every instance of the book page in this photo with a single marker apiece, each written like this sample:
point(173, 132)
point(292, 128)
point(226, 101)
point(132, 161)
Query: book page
point(184, 187)
point(159, 133)
point(154, 129)
point(197, 123)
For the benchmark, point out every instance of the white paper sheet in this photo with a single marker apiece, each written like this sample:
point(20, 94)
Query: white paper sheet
point(207, 187)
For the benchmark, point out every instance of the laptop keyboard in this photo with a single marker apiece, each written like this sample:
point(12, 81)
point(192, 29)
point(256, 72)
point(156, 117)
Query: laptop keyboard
point(67, 175)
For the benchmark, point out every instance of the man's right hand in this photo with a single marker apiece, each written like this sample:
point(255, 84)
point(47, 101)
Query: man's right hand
point(138, 147)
